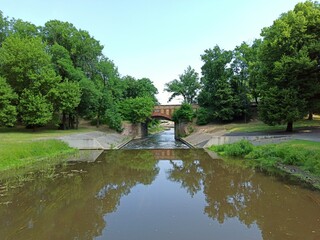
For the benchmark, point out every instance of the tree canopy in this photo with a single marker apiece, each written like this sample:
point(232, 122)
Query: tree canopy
point(55, 73)
point(186, 86)
point(289, 61)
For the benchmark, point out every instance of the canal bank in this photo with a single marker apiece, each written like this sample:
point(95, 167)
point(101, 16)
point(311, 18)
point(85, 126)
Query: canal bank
point(296, 170)
point(96, 140)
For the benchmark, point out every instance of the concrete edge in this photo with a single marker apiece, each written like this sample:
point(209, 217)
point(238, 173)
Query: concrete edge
point(122, 144)
point(190, 145)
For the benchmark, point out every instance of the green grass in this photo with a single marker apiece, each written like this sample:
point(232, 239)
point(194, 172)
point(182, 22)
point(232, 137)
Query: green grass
point(15, 155)
point(258, 126)
point(21, 148)
point(299, 153)
point(238, 149)
point(23, 134)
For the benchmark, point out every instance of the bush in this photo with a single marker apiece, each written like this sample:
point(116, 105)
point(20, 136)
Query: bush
point(298, 153)
point(114, 119)
point(238, 149)
point(203, 116)
point(184, 113)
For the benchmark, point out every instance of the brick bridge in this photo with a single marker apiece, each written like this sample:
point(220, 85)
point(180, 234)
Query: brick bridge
point(166, 111)
point(162, 112)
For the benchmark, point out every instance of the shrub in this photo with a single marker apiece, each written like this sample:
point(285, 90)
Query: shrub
point(184, 113)
point(114, 119)
point(203, 116)
point(238, 149)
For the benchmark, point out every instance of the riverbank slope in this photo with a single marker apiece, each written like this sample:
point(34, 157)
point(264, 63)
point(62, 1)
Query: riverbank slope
point(21, 148)
point(300, 140)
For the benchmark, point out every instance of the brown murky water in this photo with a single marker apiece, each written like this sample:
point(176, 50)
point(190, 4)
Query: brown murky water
point(158, 194)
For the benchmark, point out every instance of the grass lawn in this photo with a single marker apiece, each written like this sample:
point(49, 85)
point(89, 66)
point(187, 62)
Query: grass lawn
point(21, 134)
point(257, 126)
point(20, 147)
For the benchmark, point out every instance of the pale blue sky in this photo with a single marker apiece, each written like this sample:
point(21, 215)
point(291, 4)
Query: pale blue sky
point(157, 39)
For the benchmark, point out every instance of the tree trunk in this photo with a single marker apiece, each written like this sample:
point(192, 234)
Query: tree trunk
point(71, 121)
point(98, 121)
point(77, 121)
point(289, 127)
point(310, 116)
point(64, 121)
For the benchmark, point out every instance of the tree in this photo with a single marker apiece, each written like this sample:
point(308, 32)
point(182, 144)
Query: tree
point(216, 93)
point(66, 97)
point(4, 28)
point(186, 86)
point(27, 68)
point(184, 113)
point(280, 106)
point(137, 110)
point(8, 112)
point(289, 56)
point(35, 110)
point(89, 104)
point(83, 49)
point(143, 87)
point(240, 80)
point(25, 63)
point(23, 29)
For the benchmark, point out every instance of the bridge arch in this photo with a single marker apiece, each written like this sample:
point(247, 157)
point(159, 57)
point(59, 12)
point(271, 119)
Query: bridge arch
point(164, 111)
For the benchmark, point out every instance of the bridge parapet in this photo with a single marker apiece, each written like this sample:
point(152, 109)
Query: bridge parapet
point(166, 111)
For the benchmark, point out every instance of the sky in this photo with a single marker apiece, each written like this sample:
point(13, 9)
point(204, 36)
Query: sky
point(157, 39)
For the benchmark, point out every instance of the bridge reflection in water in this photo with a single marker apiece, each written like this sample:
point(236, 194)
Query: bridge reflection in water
point(165, 154)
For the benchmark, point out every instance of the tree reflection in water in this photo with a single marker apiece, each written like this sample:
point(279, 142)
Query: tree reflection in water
point(75, 204)
point(73, 207)
point(234, 191)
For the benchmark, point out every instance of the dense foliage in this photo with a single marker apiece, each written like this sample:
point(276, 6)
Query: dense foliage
point(186, 86)
point(289, 62)
point(279, 73)
point(183, 114)
point(56, 73)
point(237, 149)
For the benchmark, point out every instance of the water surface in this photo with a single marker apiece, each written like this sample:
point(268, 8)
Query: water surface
point(158, 194)
point(162, 140)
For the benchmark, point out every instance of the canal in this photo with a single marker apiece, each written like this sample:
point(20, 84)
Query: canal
point(160, 193)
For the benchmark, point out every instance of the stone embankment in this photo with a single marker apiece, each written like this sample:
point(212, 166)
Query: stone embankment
point(96, 140)
point(203, 139)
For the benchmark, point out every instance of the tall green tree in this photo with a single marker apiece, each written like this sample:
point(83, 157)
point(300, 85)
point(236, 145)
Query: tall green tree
point(35, 110)
point(23, 29)
point(216, 93)
point(137, 110)
point(66, 97)
point(187, 86)
point(133, 88)
point(240, 80)
point(8, 111)
point(25, 63)
point(83, 49)
point(4, 28)
point(289, 56)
